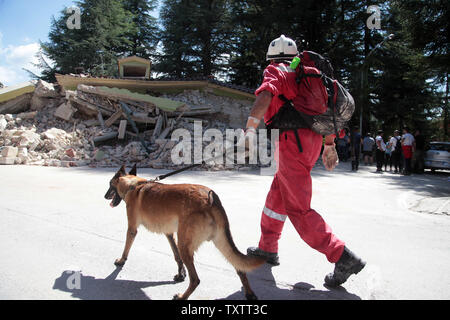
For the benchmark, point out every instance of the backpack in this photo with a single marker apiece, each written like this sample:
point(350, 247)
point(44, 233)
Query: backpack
point(322, 104)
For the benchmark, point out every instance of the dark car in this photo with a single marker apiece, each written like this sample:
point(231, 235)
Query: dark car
point(438, 156)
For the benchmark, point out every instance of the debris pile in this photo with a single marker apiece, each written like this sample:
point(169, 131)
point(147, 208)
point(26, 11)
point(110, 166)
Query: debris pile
point(106, 127)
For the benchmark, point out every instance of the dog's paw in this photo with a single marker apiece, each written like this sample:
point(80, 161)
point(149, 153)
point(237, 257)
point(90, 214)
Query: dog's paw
point(178, 296)
point(120, 262)
point(179, 277)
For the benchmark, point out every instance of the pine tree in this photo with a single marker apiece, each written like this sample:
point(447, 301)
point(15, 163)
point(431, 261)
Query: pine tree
point(175, 60)
point(96, 46)
point(401, 91)
point(195, 37)
point(144, 35)
point(211, 35)
point(428, 30)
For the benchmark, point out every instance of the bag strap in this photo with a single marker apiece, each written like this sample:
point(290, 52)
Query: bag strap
point(301, 74)
point(332, 86)
point(297, 137)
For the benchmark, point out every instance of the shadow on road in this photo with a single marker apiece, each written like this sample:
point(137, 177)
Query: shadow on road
point(90, 288)
point(432, 184)
point(265, 287)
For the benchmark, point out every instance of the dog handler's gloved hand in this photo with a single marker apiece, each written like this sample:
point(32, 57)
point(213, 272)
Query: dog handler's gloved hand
point(330, 157)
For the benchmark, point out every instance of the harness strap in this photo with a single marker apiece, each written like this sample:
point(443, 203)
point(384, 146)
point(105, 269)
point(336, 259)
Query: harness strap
point(299, 144)
point(297, 137)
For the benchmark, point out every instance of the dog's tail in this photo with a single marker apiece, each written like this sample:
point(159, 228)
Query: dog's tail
point(224, 241)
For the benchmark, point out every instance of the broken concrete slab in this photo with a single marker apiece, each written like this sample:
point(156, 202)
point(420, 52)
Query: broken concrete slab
point(3, 124)
point(53, 134)
point(12, 92)
point(16, 105)
point(27, 115)
point(7, 161)
point(83, 106)
point(22, 156)
point(122, 129)
point(46, 90)
point(30, 140)
point(162, 103)
point(38, 103)
point(10, 152)
point(65, 111)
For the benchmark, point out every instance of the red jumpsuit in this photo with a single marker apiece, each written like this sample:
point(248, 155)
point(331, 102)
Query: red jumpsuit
point(291, 190)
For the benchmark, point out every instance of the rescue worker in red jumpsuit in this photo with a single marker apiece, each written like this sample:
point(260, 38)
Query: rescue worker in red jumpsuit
point(291, 190)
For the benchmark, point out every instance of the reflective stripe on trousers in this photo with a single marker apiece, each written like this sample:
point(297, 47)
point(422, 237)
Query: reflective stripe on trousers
point(272, 214)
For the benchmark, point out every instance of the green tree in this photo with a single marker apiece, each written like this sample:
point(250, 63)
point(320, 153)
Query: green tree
point(401, 91)
point(211, 35)
point(144, 34)
point(175, 60)
point(95, 47)
point(427, 28)
point(195, 37)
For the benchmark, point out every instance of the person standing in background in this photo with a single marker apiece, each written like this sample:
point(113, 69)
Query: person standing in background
point(388, 155)
point(408, 145)
point(342, 147)
point(401, 162)
point(368, 144)
point(396, 152)
point(381, 149)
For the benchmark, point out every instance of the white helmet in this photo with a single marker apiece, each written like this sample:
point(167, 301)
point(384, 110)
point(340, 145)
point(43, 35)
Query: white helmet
point(282, 47)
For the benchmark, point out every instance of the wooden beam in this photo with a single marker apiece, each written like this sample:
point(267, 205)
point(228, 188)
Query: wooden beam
point(116, 116)
point(158, 127)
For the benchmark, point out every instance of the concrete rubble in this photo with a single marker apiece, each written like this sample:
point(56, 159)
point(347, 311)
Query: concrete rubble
point(81, 128)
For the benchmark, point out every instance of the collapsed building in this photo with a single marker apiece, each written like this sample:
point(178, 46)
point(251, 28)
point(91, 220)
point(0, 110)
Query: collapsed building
point(107, 122)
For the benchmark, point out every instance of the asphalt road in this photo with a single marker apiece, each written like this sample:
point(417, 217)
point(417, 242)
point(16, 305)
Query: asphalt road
point(59, 238)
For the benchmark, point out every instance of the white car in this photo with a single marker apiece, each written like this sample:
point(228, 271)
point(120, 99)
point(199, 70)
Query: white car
point(438, 156)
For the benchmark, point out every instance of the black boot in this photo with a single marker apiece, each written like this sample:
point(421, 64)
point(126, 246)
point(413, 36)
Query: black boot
point(271, 258)
point(347, 265)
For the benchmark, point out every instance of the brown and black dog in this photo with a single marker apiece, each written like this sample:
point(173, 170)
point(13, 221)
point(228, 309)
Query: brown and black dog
point(194, 212)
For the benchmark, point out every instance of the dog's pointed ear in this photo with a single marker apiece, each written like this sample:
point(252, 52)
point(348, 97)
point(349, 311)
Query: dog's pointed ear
point(133, 171)
point(122, 170)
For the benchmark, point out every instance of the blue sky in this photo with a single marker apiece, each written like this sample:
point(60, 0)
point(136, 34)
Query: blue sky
point(23, 23)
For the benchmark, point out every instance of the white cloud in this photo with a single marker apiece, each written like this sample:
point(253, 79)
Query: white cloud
point(6, 74)
point(21, 54)
point(13, 59)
